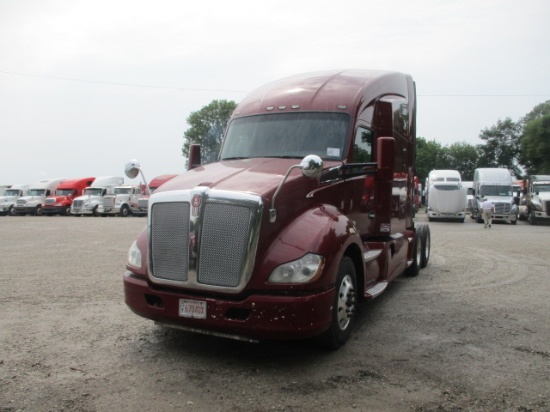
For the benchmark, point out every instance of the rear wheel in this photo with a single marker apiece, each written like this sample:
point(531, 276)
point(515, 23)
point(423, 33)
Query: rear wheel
point(414, 268)
point(425, 242)
point(344, 306)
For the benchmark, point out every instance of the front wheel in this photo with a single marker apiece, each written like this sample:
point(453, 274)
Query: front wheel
point(344, 307)
point(124, 211)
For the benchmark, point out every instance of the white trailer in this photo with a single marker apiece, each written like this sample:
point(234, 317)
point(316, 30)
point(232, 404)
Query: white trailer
point(495, 184)
point(446, 196)
point(88, 203)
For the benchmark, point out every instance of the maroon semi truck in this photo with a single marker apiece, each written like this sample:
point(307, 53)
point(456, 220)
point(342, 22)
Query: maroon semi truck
point(307, 212)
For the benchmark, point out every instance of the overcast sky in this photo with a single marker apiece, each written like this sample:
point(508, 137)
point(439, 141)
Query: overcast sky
point(86, 86)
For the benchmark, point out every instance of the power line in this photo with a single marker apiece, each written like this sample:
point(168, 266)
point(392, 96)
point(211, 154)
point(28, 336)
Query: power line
point(242, 91)
point(122, 84)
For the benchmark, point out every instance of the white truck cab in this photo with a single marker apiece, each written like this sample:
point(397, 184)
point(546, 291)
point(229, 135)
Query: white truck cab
point(34, 200)
point(89, 202)
point(9, 199)
point(538, 199)
point(122, 202)
point(495, 184)
point(446, 196)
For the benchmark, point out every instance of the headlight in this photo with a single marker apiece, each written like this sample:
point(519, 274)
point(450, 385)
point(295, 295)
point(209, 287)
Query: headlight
point(134, 256)
point(302, 270)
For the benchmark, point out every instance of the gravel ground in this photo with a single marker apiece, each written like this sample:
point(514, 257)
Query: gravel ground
point(470, 333)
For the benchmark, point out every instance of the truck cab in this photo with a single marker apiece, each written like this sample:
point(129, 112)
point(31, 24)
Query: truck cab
point(33, 202)
point(157, 182)
point(92, 197)
point(66, 192)
point(446, 196)
point(122, 202)
point(9, 199)
point(307, 212)
point(495, 184)
point(538, 199)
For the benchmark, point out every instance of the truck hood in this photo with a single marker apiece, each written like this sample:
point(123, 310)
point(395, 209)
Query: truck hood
point(257, 176)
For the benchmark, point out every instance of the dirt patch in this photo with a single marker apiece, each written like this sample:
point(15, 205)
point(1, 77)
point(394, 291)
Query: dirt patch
point(470, 333)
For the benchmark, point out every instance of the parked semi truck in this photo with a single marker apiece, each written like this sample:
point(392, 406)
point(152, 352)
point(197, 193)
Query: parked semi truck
point(66, 192)
point(495, 184)
point(446, 196)
point(33, 202)
point(9, 199)
point(538, 199)
point(157, 182)
point(307, 213)
point(122, 202)
point(89, 202)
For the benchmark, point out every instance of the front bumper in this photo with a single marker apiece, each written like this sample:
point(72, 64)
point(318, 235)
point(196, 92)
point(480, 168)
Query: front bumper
point(254, 317)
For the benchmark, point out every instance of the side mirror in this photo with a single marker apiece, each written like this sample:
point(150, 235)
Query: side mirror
point(132, 169)
point(312, 166)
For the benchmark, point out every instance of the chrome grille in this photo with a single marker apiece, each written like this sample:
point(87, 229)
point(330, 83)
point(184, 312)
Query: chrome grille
point(170, 240)
point(223, 244)
point(78, 203)
point(108, 201)
point(49, 201)
point(204, 238)
point(502, 208)
point(21, 202)
point(142, 203)
point(547, 208)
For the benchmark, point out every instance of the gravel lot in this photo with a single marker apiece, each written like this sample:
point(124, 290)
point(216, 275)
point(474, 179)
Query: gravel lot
point(471, 333)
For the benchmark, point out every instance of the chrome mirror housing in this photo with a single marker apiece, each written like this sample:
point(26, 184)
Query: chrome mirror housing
point(132, 169)
point(312, 166)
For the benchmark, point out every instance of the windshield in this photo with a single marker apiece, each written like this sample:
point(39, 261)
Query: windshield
point(292, 135)
point(538, 188)
point(12, 192)
point(93, 191)
point(64, 192)
point(37, 192)
point(490, 190)
point(122, 190)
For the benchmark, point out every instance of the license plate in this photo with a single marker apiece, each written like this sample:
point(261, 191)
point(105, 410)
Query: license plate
point(193, 309)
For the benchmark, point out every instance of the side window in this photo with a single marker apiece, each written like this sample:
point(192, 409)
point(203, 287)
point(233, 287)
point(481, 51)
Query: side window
point(362, 146)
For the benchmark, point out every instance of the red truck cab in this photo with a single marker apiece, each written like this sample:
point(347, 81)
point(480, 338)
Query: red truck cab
point(308, 212)
point(61, 202)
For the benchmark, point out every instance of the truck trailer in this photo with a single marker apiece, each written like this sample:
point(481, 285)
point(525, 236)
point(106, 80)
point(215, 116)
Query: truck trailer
point(307, 213)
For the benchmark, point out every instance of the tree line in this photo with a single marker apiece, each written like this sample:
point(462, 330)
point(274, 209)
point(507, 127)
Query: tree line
point(523, 147)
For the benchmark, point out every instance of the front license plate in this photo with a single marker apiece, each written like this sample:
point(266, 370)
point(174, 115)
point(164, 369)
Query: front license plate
point(193, 309)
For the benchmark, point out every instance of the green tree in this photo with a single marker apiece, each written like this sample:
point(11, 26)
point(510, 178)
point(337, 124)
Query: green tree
point(207, 127)
point(464, 158)
point(430, 155)
point(501, 148)
point(535, 141)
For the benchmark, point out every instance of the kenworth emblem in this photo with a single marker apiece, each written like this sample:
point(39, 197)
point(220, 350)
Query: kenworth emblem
point(196, 202)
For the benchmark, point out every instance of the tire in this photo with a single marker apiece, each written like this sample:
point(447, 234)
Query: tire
point(38, 211)
point(414, 268)
point(66, 211)
point(12, 212)
point(344, 307)
point(95, 212)
point(425, 245)
point(531, 218)
point(124, 211)
point(479, 218)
